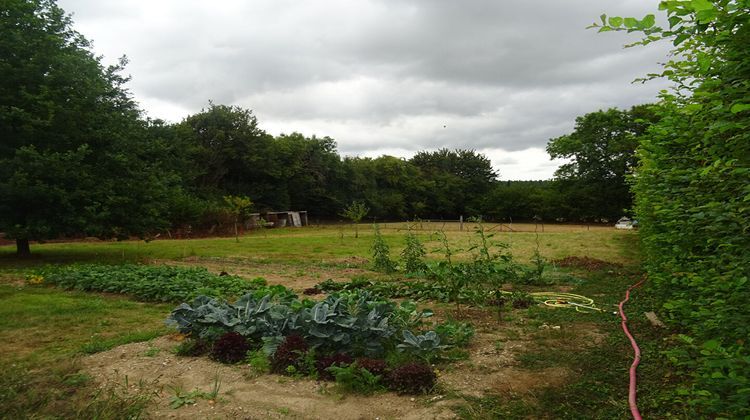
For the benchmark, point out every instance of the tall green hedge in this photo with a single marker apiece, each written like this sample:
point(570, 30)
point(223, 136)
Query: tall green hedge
point(693, 198)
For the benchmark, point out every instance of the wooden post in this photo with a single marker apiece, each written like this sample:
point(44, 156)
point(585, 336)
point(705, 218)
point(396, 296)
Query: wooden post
point(461, 223)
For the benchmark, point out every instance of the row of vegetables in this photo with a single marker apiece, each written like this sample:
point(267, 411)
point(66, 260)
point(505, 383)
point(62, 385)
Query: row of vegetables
point(359, 337)
point(350, 336)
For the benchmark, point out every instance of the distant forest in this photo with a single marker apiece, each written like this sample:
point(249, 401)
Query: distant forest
point(221, 151)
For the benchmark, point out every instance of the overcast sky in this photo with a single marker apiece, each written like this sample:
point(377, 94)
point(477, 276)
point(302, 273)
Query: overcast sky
point(383, 77)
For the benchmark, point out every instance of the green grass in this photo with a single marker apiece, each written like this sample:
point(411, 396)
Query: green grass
point(42, 332)
point(42, 324)
point(597, 386)
point(316, 245)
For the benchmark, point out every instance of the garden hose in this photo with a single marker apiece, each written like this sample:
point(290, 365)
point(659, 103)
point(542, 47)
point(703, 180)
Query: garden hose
point(632, 402)
point(581, 304)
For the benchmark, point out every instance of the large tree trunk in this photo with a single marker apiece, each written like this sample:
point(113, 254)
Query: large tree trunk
point(22, 248)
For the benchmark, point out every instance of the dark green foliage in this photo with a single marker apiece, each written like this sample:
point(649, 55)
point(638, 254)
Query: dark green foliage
point(325, 362)
point(75, 156)
point(354, 322)
point(412, 378)
point(693, 199)
point(155, 283)
point(458, 181)
point(602, 152)
point(381, 253)
point(510, 201)
point(230, 348)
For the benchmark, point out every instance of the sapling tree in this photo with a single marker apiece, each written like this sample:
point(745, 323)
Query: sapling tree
point(239, 207)
point(356, 211)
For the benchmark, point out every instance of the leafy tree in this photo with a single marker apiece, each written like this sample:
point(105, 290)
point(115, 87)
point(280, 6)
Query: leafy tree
point(601, 150)
point(392, 187)
point(523, 200)
point(313, 175)
point(693, 197)
point(356, 212)
point(228, 152)
point(75, 157)
point(458, 180)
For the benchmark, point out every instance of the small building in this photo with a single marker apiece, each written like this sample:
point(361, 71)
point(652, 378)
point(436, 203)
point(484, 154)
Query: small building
point(278, 219)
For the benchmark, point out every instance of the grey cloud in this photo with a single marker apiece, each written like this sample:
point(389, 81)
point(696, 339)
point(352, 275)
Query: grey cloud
point(381, 74)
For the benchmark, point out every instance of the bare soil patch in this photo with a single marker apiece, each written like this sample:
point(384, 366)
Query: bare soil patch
point(294, 277)
point(492, 368)
point(243, 396)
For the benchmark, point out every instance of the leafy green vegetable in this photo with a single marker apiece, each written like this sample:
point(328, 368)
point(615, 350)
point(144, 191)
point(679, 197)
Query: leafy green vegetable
point(156, 283)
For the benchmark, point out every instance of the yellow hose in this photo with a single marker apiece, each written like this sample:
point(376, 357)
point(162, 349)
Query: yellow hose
point(582, 304)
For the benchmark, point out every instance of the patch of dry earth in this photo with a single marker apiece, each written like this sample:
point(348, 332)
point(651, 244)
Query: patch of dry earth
point(243, 397)
point(293, 277)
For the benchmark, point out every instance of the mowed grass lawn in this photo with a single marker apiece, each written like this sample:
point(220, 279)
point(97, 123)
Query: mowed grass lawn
point(43, 331)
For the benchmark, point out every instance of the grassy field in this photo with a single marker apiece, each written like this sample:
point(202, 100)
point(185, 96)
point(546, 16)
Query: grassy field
point(45, 331)
point(315, 245)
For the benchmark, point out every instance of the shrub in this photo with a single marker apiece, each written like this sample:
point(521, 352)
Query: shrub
point(290, 352)
point(230, 348)
point(412, 378)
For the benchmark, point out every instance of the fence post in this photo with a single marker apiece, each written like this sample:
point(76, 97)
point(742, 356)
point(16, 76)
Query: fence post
point(461, 223)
